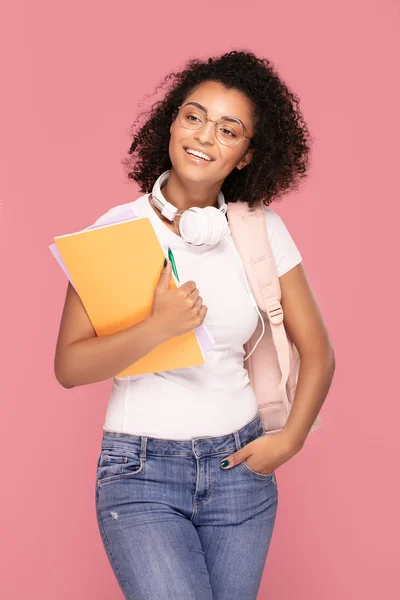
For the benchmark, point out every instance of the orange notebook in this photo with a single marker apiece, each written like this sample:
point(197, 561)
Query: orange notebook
point(115, 270)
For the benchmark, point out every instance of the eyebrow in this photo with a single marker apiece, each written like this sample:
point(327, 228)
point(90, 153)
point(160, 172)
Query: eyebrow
point(205, 110)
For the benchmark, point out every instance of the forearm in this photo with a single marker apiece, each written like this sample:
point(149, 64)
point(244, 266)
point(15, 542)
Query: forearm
point(99, 358)
point(314, 380)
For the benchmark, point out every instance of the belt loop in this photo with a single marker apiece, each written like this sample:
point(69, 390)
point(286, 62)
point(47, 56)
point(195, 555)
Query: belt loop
point(237, 440)
point(143, 447)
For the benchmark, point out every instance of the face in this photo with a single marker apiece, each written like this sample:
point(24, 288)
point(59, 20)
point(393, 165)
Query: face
point(219, 102)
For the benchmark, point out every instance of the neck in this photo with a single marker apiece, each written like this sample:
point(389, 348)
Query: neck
point(184, 194)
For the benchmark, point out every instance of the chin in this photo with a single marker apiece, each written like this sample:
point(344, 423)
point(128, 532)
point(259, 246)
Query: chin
point(190, 172)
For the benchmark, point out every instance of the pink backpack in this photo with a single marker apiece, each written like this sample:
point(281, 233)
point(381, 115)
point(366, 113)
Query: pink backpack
point(273, 367)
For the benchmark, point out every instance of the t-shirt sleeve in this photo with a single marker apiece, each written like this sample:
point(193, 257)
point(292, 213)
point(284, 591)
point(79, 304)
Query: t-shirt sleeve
point(100, 220)
point(114, 214)
point(283, 247)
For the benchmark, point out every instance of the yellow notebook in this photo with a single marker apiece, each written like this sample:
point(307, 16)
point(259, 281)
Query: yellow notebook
point(115, 270)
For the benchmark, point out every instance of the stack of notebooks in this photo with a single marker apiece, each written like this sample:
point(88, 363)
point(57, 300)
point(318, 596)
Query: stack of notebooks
point(115, 266)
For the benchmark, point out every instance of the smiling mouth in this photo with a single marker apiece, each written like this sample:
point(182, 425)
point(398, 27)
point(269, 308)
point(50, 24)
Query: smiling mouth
point(197, 157)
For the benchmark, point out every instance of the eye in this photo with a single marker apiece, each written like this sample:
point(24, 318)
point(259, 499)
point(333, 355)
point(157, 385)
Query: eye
point(192, 117)
point(225, 131)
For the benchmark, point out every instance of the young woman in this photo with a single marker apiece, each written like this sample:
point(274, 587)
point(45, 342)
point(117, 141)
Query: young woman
point(176, 523)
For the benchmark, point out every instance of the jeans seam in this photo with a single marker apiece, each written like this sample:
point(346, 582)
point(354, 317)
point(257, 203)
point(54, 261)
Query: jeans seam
point(121, 581)
point(222, 453)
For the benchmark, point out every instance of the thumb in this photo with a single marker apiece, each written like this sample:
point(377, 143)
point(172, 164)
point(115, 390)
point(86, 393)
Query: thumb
point(234, 459)
point(165, 276)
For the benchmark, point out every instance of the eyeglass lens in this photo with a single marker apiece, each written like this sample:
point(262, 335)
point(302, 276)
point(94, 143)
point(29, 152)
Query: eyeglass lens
point(228, 131)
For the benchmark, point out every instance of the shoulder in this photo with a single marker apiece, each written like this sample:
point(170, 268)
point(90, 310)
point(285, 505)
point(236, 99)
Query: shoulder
point(120, 211)
point(275, 223)
point(283, 246)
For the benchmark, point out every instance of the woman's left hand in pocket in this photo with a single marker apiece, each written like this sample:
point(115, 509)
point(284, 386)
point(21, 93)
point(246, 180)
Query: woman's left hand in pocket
point(264, 454)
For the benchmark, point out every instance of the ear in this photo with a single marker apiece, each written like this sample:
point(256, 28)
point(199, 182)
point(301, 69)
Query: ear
point(246, 160)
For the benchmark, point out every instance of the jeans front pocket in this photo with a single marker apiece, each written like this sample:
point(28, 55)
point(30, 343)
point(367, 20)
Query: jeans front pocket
point(255, 474)
point(118, 463)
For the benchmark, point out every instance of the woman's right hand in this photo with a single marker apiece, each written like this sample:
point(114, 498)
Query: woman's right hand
point(178, 310)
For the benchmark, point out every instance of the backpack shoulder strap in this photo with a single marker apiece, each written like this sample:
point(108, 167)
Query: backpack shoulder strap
point(249, 233)
point(250, 236)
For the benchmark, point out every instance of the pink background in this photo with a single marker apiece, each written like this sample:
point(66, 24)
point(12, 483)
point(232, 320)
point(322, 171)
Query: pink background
point(73, 75)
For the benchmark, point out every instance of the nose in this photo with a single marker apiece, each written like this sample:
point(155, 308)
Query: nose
point(206, 133)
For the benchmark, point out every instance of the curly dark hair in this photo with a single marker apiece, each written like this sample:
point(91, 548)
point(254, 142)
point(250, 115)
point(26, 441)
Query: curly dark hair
point(281, 139)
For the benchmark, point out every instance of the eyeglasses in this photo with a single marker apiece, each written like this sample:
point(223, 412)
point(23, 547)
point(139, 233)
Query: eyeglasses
point(228, 130)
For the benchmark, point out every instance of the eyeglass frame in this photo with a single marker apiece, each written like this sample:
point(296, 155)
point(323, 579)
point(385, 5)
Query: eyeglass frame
point(216, 123)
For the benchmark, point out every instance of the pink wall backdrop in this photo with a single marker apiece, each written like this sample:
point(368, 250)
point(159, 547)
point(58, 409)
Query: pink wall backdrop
point(73, 75)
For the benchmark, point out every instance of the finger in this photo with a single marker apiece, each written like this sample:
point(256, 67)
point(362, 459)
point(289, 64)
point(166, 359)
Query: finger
point(189, 286)
point(203, 311)
point(165, 276)
point(234, 459)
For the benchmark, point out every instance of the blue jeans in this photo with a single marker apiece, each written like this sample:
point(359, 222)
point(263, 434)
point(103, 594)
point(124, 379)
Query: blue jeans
point(176, 525)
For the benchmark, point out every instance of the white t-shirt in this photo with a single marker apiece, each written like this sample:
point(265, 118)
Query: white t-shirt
point(215, 398)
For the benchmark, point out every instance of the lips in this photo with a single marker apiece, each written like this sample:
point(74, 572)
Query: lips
point(196, 150)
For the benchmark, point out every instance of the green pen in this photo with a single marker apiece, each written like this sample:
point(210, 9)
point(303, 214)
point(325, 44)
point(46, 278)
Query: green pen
point(172, 260)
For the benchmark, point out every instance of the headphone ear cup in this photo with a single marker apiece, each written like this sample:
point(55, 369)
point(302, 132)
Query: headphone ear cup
point(203, 225)
point(217, 224)
point(193, 225)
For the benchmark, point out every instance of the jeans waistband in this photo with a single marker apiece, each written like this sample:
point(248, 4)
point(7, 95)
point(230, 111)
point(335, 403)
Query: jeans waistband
point(199, 446)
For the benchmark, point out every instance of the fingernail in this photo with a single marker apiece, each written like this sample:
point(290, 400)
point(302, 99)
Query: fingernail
point(224, 463)
point(165, 262)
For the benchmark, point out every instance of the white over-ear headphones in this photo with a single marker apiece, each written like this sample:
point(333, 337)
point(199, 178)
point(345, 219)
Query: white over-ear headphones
point(197, 226)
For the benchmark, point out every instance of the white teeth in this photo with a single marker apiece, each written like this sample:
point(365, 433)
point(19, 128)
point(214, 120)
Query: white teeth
point(199, 154)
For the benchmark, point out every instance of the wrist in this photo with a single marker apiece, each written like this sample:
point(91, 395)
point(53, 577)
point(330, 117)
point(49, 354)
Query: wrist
point(158, 329)
point(294, 443)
